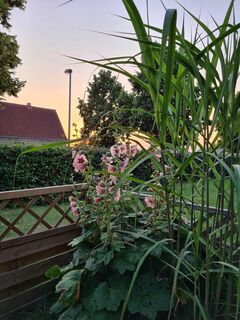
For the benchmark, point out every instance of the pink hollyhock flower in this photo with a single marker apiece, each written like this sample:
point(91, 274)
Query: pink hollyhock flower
point(114, 150)
point(97, 200)
point(122, 149)
point(80, 162)
point(100, 188)
point(104, 158)
point(71, 198)
point(117, 196)
point(113, 179)
point(158, 154)
point(133, 150)
point(149, 202)
point(124, 164)
point(73, 204)
point(109, 159)
point(111, 168)
point(75, 211)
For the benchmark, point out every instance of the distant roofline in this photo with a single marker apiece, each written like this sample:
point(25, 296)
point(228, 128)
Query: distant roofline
point(31, 138)
point(25, 105)
point(59, 132)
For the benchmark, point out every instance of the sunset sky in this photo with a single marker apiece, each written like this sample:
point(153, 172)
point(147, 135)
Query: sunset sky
point(46, 32)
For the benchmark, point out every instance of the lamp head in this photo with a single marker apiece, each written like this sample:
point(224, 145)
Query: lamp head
point(68, 71)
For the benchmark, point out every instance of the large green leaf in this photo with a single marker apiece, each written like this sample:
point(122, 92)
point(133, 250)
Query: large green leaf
point(169, 34)
point(72, 313)
point(99, 258)
point(53, 272)
point(149, 296)
point(140, 31)
point(81, 238)
point(127, 259)
point(110, 293)
point(236, 168)
point(81, 254)
point(68, 286)
point(121, 264)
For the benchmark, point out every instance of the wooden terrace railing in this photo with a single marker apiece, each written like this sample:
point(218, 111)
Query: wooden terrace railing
point(31, 242)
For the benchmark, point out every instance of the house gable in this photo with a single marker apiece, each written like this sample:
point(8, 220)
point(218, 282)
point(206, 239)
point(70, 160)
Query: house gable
point(28, 124)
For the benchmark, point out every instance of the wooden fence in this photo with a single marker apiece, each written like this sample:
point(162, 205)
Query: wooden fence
point(35, 228)
point(30, 242)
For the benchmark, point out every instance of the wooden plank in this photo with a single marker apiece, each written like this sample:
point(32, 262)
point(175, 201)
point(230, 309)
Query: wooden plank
point(12, 304)
point(31, 247)
point(3, 204)
point(41, 235)
point(38, 246)
point(189, 205)
point(32, 258)
point(34, 270)
point(16, 194)
point(12, 291)
point(31, 307)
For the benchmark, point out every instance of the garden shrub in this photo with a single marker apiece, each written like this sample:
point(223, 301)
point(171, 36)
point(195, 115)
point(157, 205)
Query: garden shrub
point(161, 258)
point(44, 168)
point(123, 248)
point(126, 263)
point(48, 167)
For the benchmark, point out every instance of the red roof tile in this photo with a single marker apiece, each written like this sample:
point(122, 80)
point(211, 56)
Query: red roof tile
point(27, 122)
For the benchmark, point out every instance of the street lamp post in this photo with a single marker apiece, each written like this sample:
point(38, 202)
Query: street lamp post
point(69, 72)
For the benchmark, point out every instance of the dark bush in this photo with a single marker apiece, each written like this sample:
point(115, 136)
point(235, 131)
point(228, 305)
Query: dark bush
point(38, 169)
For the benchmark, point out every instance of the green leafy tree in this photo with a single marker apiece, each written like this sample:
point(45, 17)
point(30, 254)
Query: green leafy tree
point(108, 104)
point(138, 112)
point(9, 60)
point(105, 96)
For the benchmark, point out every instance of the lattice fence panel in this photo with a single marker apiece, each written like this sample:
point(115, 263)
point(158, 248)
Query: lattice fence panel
point(29, 211)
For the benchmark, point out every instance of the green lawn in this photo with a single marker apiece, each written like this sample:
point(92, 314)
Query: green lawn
point(187, 191)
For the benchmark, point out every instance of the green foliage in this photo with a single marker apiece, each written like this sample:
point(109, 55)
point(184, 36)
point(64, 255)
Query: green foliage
point(184, 259)
point(8, 63)
point(5, 10)
point(55, 163)
point(69, 285)
point(110, 293)
point(117, 261)
point(102, 101)
point(150, 296)
point(139, 113)
point(9, 59)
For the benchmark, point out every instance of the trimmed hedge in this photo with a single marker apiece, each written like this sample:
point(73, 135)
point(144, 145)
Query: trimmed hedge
point(48, 167)
point(51, 167)
point(38, 169)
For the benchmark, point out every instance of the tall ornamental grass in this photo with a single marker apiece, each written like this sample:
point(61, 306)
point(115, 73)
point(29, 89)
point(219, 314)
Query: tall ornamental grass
point(198, 122)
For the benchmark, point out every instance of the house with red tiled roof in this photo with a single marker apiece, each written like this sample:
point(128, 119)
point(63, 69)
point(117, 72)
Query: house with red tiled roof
point(28, 124)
